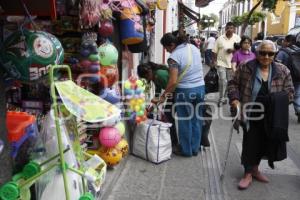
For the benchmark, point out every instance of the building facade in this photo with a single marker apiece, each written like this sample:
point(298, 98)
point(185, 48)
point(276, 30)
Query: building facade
point(285, 17)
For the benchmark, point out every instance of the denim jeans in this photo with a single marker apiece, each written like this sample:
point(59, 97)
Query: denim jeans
point(225, 74)
point(208, 56)
point(189, 103)
point(297, 97)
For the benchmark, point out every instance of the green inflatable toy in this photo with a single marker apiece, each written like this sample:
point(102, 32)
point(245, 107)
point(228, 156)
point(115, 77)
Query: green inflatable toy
point(108, 54)
point(26, 54)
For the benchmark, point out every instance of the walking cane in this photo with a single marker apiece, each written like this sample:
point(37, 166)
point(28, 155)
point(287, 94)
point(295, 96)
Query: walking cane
point(236, 117)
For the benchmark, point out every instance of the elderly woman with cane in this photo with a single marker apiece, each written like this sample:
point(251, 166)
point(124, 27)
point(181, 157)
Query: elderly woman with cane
point(263, 90)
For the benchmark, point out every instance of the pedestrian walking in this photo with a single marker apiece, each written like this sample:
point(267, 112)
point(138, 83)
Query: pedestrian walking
point(263, 89)
point(210, 44)
point(159, 75)
point(289, 55)
point(186, 79)
point(224, 47)
point(244, 54)
point(257, 40)
point(202, 48)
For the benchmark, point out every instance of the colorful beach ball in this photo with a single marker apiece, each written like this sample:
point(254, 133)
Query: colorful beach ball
point(111, 156)
point(123, 147)
point(108, 54)
point(109, 136)
point(121, 128)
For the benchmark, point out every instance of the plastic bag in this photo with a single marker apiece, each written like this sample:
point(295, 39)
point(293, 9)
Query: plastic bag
point(51, 185)
point(211, 80)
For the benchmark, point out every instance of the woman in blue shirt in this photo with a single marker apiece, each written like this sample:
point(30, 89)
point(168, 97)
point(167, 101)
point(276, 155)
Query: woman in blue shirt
point(186, 80)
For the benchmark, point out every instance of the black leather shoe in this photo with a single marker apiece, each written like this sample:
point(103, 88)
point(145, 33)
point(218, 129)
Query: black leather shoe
point(205, 142)
point(195, 153)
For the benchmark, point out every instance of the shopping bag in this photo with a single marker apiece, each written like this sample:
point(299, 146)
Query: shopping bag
point(211, 80)
point(152, 141)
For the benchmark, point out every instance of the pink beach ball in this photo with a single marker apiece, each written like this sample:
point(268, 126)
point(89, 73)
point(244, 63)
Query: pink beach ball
point(109, 137)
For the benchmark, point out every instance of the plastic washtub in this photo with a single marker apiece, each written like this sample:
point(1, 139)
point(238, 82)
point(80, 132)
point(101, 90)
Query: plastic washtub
point(16, 123)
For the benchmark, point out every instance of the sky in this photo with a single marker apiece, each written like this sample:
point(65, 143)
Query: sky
point(213, 7)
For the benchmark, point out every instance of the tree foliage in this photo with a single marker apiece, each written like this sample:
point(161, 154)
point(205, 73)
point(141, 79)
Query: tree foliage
point(204, 21)
point(269, 5)
point(254, 18)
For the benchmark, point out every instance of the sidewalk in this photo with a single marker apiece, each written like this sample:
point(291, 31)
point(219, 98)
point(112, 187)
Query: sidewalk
point(197, 178)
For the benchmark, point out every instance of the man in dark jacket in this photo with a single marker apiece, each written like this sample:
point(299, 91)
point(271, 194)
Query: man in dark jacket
point(284, 58)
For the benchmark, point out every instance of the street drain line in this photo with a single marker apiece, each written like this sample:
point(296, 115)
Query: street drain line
point(214, 189)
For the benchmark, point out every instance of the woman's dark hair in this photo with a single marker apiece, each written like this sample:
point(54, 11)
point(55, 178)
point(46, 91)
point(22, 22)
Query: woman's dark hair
point(244, 38)
point(144, 68)
point(170, 38)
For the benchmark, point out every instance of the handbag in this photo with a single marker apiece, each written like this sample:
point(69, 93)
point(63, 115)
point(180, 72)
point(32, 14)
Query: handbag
point(152, 141)
point(211, 80)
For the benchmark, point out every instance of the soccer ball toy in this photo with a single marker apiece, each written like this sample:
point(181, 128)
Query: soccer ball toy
point(111, 156)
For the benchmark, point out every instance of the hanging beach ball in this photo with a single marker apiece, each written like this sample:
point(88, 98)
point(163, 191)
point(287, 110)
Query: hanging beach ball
point(109, 136)
point(111, 156)
point(26, 55)
point(108, 54)
point(123, 147)
point(106, 28)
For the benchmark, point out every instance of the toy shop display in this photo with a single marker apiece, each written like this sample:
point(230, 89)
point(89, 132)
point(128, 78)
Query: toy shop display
point(113, 146)
point(135, 97)
point(69, 121)
point(26, 55)
point(89, 65)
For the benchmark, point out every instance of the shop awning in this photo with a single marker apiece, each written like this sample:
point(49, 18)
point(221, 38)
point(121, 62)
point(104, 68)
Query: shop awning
point(194, 16)
point(202, 3)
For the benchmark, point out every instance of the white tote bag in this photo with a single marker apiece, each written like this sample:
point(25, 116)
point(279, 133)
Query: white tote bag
point(152, 141)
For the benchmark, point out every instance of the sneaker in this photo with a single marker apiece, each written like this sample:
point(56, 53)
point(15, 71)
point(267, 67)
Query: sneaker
point(245, 181)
